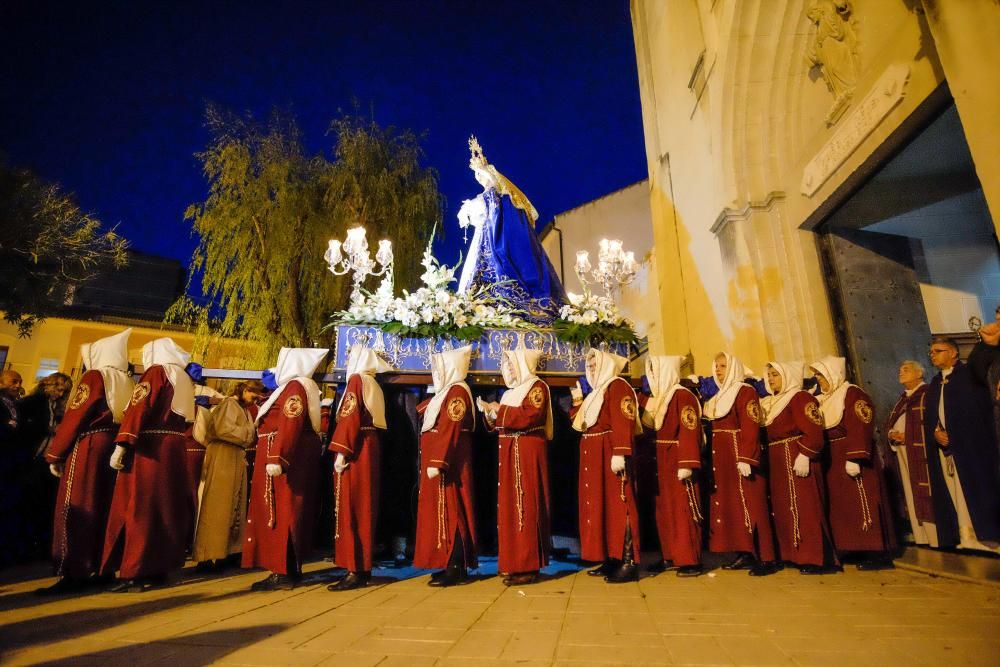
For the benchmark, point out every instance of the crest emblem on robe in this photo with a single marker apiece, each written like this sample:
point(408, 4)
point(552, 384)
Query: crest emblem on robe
point(456, 409)
point(140, 392)
point(293, 407)
point(536, 397)
point(813, 414)
point(689, 418)
point(628, 408)
point(754, 411)
point(349, 405)
point(81, 396)
point(863, 411)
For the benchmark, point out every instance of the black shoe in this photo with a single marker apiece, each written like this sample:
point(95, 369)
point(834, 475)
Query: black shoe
point(763, 569)
point(351, 581)
point(602, 570)
point(659, 566)
point(454, 575)
point(206, 567)
point(64, 586)
point(818, 569)
point(521, 579)
point(744, 561)
point(437, 575)
point(274, 582)
point(626, 572)
point(137, 585)
point(874, 564)
point(689, 570)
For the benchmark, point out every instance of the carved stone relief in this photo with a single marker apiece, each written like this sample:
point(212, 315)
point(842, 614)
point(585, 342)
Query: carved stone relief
point(833, 51)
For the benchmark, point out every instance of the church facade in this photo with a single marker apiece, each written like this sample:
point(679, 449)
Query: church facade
point(824, 176)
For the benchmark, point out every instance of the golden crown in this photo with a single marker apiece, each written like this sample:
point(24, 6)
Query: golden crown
point(478, 160)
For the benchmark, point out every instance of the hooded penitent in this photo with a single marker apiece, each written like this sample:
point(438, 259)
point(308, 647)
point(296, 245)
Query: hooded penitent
point(109, 357)
point(521, 365)
point(791, 373)
point(607, 366)
point(448, 369)
point(664, 376)
point(831, 402)
point(719, 405)
point(297, 363)
point(365, 363)
point(168, 354)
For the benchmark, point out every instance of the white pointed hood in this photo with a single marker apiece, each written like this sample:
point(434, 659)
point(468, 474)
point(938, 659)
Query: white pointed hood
point(109, 357)
point(831, 402)
point(719, 405)
point(448, 369)
point(523, 362)
point(608, 367)
point(791, 373)
point(168, 354)
point(664, 376)
point(297, 363)
point(365, 363)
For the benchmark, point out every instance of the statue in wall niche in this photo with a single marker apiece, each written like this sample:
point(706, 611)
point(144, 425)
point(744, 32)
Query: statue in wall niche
point(834, 51)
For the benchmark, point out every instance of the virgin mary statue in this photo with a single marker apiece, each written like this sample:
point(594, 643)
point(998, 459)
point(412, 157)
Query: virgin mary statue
point(505, 252)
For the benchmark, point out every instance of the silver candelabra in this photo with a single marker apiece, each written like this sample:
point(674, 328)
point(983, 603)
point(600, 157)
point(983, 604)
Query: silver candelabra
point(615, 267)
point(352, 256)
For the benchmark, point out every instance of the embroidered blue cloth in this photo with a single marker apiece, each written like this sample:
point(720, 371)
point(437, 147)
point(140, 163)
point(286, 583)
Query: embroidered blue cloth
point(509, 250)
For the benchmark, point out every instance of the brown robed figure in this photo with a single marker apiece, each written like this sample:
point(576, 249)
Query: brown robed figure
point(740, 518)
point(283, 489)
point(794, 428)
point(523, 419)
point(356, 443)
point(152, 511)
point(446, 528)
point(674, 413)
point(860, 519)
point(79, 455)
point(608, 420)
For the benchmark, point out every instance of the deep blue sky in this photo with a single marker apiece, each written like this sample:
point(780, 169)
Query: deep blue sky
point(108, 98)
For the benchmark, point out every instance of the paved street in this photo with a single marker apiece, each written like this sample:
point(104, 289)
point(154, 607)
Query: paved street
point(884, 618)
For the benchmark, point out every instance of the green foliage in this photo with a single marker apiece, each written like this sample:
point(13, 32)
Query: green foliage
point(272, 207)
point(594, 334)
point(48, 248)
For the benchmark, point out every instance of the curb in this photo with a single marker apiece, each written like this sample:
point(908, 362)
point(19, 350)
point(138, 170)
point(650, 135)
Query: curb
point(947, 575)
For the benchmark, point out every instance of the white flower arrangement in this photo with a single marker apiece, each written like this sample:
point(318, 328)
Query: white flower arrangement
point(434, 310)
point(590, 318)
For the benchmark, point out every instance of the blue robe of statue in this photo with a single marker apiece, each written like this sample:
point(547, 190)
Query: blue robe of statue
point(509, 250)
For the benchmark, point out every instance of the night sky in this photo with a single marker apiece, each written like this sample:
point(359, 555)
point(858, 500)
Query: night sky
point(108, 98)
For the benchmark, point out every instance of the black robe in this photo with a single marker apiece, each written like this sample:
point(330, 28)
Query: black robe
point(968, 417)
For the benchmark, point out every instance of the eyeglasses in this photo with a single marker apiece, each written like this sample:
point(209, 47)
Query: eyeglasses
point(940, 350)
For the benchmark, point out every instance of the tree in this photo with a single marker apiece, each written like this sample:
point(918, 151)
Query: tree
point(48, 248)
point(272, 207)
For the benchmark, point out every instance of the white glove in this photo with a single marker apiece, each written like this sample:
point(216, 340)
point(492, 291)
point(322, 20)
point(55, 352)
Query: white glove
point(340, 464)
point(273, 469)
point(118, 458)
point(56, 469)
point(617, 464)
point(683, 474)
point(433, 472)
point(852, 468)
point(743, 468)
point(801, 465)
point(576, 392)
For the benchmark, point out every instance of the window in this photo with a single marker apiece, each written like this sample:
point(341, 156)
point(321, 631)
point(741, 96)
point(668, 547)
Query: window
point(47, 367)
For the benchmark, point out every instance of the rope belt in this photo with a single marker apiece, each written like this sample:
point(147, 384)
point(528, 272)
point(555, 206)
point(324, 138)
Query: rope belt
point(843, 437)
point(667, 442)
point(689, 488)
point(64, 548)
point(336, 507)
point(793, 497)
point(106, 429)
point(269, 481)
point(367, 428)
point(595, 435)
point(784, 441)
point(739, 479)
point(866, 513)
point(161, 431)
point(518, 484)
point(442, 512)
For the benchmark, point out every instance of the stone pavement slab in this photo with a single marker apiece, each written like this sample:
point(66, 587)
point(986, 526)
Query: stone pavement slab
point(896, 617)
